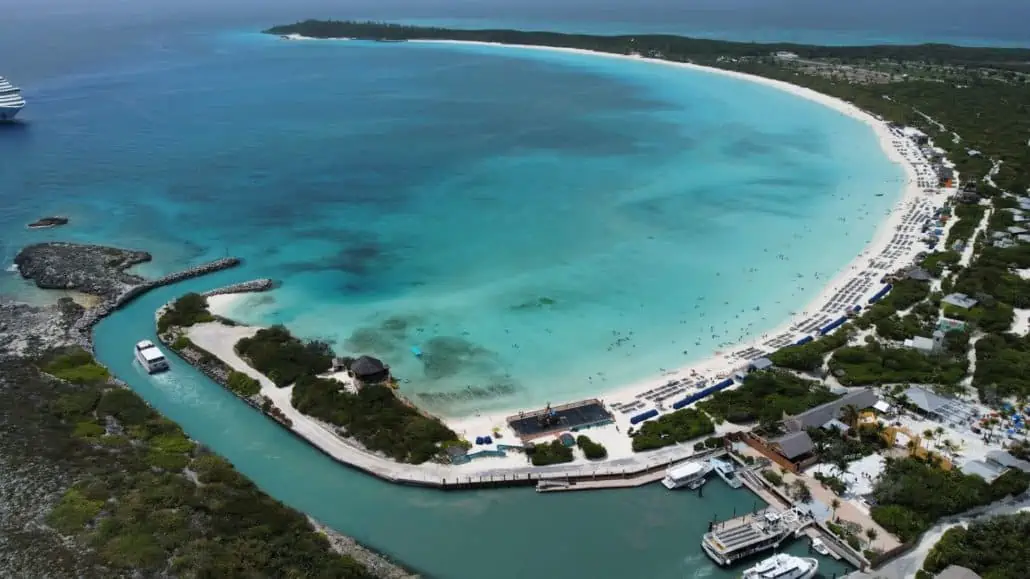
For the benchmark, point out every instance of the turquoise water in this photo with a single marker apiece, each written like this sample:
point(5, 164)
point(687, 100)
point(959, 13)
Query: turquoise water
point(543, 226)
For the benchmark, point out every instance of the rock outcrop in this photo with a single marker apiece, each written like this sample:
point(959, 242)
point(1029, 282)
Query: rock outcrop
point(91, 269)
point(45, 222)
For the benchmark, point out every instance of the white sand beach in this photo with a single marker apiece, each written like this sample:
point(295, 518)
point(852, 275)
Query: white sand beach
point(894, 246)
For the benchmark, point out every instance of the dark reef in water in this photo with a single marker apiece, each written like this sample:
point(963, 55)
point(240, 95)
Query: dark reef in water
point(92, 269)
point(46, 222)
point(535, 304)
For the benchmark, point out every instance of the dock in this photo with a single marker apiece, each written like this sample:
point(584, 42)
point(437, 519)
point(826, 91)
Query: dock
point(740, 537)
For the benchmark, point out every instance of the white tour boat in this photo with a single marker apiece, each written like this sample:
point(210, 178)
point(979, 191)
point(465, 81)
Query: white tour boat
point(687, 474)
point(783, 566)
point(819, 546)
point(150, 357)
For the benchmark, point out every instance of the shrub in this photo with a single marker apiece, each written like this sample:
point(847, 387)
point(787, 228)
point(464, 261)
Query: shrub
point(283, 358)
point(73, 512)
point(773, 477)
point(592, 450)
point(187, 310)
point(553, 452)
point(77, 367)
point(242, 384)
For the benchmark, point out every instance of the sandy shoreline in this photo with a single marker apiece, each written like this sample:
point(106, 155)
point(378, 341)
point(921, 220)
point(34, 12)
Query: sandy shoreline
point(898, 150)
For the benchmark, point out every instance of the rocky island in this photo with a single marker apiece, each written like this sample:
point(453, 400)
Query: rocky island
point(95, 483)
point(91, 269)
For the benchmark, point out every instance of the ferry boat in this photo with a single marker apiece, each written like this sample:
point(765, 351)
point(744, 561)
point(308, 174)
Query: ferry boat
point(744, 536)
point(689, 474)
point(150, 357)
point(10, 100)
point(783, 566)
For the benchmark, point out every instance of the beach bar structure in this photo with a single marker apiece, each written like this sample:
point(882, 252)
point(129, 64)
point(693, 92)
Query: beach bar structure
point(552, 420)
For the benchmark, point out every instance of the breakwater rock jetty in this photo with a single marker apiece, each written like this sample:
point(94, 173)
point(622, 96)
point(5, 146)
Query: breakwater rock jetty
point(91, 269)
point(254, 285)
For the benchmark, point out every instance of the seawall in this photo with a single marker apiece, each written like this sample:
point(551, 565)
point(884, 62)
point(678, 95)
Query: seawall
point(85, 324)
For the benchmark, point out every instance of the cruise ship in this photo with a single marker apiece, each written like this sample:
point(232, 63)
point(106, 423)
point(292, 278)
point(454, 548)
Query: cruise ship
point(10, 100)
point(783, 566)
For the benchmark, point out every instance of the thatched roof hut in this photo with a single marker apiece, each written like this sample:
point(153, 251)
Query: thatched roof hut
point(370, 370)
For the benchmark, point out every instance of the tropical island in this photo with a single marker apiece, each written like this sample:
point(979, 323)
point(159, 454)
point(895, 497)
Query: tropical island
point(939, 416)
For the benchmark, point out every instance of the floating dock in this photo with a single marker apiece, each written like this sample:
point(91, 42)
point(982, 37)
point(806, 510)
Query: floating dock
point(551, 420)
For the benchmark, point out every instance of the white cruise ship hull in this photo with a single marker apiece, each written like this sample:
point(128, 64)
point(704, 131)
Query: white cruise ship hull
point(8, 113)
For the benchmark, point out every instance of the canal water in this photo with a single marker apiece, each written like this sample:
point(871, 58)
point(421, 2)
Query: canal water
point(507, 533)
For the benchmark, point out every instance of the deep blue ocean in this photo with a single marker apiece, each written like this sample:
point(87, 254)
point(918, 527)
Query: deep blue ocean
point(545, 225)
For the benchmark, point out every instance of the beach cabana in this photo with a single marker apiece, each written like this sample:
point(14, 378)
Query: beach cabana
point(370, 370)
point(760, 364)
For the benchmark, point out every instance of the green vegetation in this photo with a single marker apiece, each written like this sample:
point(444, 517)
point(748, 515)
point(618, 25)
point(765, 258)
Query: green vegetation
point(911, 494)
point(994, 548)
point(74, 511)
point(875, 363)
point(242, 384)
point(809, 357)
point(773, 477)
point(187, 310)
point(136, 506)
point(592, 450)
point(674, 427)
point(765, 397)
point(1003, 365)
point(937, 262)
point(283, 358)
point(553, 452)
point(77, 366)
point(375, 417)
point(969, 217)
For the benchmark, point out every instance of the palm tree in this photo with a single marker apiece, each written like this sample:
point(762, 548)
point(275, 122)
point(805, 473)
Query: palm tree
point(928, 435)
point(835, 504)
point(849, 415)
point(871, 533)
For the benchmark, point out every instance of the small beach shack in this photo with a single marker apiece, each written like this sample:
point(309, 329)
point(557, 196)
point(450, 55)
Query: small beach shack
point(369, 370)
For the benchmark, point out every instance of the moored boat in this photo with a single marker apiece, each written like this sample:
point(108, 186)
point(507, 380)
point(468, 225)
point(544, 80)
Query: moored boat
point(689, 474)
point(783, 566)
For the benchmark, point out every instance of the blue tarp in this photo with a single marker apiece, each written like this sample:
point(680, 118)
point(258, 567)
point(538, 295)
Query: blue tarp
point(832, 325)
point(643, 416)
point(803, 341)
point(879, 295)
point(702, 394)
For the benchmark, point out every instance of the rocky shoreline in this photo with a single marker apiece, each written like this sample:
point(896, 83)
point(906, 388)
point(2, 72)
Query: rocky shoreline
point(100, 271)
point(28, 332)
